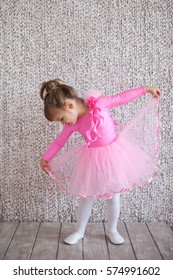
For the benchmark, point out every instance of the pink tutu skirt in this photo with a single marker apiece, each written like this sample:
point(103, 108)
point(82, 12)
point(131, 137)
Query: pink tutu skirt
point(130, 161)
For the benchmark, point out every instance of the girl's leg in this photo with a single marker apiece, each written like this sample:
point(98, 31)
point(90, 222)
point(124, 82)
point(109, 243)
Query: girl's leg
point(113, 212)
point(84, 212)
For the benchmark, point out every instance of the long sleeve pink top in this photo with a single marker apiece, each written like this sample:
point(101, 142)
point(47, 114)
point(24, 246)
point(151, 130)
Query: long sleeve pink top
point(97, 126)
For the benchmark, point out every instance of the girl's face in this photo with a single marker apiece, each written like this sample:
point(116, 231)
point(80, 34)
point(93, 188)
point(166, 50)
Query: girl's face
point(68, 115)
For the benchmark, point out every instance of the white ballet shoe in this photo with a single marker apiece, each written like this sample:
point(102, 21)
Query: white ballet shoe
point(115, 238)
point(73, 238)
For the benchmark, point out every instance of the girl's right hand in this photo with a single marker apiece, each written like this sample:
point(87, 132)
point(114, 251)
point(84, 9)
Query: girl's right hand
point(44, 165)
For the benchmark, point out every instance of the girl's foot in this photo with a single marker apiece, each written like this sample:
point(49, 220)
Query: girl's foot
point(115, 238)
point(73, 238)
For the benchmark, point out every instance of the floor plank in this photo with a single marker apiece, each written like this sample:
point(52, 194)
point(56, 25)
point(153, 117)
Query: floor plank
point(65, 251)
point(142, 242)
point(46, 244)
point(94, 243)
point(7, 231)
point(22, 243)
point(124, 251)
point(163, 237)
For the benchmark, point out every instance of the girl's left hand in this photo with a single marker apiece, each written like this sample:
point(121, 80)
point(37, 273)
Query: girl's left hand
point(154, 91)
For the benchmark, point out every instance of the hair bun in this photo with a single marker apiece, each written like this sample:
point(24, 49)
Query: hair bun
point(49, 87)
point(52, 85)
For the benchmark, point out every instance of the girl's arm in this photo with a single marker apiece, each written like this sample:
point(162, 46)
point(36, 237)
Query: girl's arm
point(55, 147)
point(126, 96)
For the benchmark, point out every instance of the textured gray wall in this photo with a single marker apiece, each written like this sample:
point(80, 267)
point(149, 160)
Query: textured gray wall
point(110, 45)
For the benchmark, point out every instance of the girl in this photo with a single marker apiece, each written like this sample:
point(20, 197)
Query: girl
point(109, 163)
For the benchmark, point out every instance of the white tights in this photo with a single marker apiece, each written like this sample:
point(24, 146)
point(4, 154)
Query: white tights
point(84, 212)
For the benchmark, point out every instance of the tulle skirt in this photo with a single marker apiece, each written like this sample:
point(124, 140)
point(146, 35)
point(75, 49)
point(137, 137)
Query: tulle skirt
point(130, 161)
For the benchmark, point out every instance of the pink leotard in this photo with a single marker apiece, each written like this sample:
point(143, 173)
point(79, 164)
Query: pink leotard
point(97, 126)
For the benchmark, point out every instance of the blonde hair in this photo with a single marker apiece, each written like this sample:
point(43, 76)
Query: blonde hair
point(54, 93)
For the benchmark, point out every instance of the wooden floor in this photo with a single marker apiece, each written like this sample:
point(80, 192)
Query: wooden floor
point(38, 241)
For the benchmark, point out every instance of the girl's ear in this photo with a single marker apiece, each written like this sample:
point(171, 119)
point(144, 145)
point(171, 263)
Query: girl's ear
point(69, 105)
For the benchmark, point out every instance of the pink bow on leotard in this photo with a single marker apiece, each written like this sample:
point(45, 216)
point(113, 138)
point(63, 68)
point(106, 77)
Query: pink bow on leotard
point(96, 120)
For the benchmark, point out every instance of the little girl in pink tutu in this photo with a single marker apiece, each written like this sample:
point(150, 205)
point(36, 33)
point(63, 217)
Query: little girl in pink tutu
point(111, 162)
